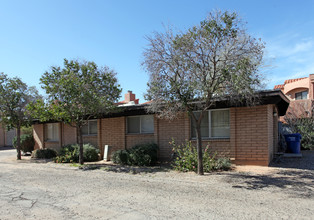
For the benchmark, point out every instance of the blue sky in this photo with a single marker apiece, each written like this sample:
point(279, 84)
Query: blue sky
point(35, 35)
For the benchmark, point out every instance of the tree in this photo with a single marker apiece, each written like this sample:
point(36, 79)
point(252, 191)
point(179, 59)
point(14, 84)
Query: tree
point(300, 119)
point(15, 95)
point(191, 70)
point(77, 92)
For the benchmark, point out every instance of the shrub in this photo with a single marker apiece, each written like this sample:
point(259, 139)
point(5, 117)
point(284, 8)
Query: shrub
point(90, 153)
point(120, 157)
point(27, 130)
point(70, 153)
point(139, 155)
point(44, 153)
point(27, 142)
point(303, 126)
point(185, 158)
point(223, 164)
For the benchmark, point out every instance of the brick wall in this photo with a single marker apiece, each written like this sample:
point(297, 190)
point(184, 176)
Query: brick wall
point(91, 139)
point(271, 134)
point(113, 133)
point(253, 135)
point(178, 129)
point(38, 133)
point(2, 136)
point(134, 139)
point(68, 134)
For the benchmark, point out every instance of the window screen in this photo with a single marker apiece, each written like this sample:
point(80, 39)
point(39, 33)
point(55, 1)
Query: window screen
point(140, 124)
point(215, 126)
point(90, 128)
point(147, 124)
point(220, 123)
point(52, 132)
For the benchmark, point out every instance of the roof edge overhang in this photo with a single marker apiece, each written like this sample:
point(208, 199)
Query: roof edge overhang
point(266, 97)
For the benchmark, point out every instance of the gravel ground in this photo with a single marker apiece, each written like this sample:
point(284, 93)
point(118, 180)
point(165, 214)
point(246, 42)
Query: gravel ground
point(44, 190)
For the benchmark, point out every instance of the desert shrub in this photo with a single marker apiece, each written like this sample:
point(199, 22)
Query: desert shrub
point(303, 126)
point(44, 153)
point(223, 164)
point(70, 153)
point(185, 158)
point(27, 142)
point(139, 155)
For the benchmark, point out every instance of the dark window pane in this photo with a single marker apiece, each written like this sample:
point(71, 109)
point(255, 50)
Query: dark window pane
point(133, 125)
point(301, 95)
point(92, 127)
point(85, 129)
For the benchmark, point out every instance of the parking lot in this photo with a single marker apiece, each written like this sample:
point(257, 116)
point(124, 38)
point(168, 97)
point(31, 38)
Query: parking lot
point(45, 190)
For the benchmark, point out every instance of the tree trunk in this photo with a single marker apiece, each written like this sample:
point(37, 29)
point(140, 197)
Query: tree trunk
point(80, 143)
point(200, 170)
point(18, 142)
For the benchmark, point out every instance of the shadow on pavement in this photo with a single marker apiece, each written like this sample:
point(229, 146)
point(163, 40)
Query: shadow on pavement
point(295, 175)
point(127, 169)
point(306, 162)
point(6, 148)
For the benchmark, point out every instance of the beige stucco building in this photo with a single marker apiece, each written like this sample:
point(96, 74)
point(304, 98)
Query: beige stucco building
point(300, 91)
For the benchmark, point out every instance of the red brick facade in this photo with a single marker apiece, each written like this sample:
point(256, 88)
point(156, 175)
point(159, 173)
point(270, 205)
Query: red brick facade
point(253, 135)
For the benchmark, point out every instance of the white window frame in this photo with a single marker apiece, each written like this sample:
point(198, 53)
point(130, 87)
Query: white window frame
point(46, 132)
point(88, 128)
point(139, 116)
point(209, 124)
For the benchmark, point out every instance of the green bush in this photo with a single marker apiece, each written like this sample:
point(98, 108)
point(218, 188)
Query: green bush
point(70, 153)
point(303, 126)
point(120, 157)
point(139, 155)
point(27, 130)
point(44, 153)
point(185, 158)
point(27, 142)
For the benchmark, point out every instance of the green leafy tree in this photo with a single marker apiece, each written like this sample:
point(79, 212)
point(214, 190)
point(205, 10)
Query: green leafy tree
point(77, 92)
point(301, 120)
point(15, 95)
point(191, 70)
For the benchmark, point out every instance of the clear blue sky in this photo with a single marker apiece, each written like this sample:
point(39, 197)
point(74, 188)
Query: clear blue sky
point(35, 35)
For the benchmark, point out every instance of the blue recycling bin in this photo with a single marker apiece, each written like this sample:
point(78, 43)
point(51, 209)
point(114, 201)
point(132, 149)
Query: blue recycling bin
point(293, 143)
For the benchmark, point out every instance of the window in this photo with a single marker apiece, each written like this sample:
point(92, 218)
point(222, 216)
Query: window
point(301, 95)
point(52, 132)
point(214, 124)
point(90, 128)
point(143, 124)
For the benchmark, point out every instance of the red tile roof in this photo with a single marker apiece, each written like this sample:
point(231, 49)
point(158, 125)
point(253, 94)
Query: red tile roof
point(293, 80)
point(287, 82)
point(279, 86)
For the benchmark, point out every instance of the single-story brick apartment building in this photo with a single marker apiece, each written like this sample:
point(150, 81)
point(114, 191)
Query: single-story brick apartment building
point(248, 135)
